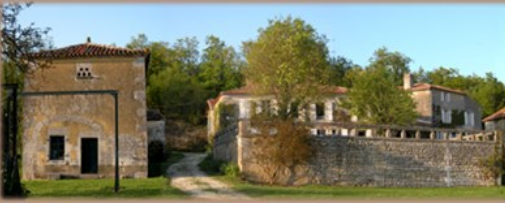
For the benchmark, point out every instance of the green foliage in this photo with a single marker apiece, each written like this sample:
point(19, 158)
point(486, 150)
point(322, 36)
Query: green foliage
point(230, 170)
point(177, 95)
point(288, 60)
point(220, 67)
point(376, 99)
point(339, 67)
point(395, 63)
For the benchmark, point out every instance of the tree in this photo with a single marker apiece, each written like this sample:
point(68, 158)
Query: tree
point(376, 99)
point(159, 53)
point(396, 63)
point(177, 95)
point(288, 60)
point(220, 67)
point(339, 67)
point(184, 55)
point(490, 94)
point(18, 42)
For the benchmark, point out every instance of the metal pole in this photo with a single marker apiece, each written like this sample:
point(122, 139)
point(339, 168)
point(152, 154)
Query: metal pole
point(116, 109)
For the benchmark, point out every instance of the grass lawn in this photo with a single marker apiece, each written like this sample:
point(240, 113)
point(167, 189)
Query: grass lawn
point(157, 187)
point(330, 192)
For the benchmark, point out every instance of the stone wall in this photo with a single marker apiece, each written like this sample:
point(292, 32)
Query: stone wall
point(374, 161)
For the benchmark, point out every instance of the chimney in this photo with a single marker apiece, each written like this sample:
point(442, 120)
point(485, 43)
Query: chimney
point(407, 81)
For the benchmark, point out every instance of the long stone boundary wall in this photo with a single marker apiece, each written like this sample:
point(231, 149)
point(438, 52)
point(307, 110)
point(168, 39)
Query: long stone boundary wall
point(371, 160)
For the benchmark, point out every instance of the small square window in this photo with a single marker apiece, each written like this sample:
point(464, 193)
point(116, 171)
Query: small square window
point(56, 147)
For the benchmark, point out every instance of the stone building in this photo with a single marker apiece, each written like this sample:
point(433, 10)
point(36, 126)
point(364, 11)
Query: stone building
point(440, 106)
point(495, 121)
point(241, 105)
point(73, 135)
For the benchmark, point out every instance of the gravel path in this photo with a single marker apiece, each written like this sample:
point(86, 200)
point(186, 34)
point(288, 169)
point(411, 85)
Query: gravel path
point(186, 176)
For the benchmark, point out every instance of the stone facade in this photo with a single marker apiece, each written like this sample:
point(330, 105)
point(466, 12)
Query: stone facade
point(86, 118)
point(459, 110)
point(351, 160)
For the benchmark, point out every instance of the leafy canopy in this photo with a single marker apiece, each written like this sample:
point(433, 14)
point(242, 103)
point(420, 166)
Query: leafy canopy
point(288, 60)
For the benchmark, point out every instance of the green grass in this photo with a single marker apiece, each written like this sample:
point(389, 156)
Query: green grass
point(333, 192)
point(103, 188)
point(157, 187)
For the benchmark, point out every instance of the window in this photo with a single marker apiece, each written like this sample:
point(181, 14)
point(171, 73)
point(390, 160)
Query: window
point(448, 97)
point(56, 147)
point(469, 119)
point(441, 96)
point(320, 111)
point(84, 71)
point(446, 116)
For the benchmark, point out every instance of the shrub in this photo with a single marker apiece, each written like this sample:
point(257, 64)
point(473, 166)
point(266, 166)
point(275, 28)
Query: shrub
point(280, 145)
point(230, 170)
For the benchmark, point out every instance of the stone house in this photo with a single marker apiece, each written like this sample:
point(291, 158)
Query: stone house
point(440, 106)
point(241, 105)
point(73, 135)
point(495, 121)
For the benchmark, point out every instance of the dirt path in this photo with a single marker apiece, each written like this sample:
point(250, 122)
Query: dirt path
point(186, 176)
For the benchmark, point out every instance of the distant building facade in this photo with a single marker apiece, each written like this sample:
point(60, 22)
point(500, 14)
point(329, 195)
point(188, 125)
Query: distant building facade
point(74, 135)
point(440, 106)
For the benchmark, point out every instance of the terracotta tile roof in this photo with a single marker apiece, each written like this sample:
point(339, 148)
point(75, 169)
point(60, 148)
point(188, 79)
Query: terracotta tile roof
point(426, 86)
point(88, 50)
point(495, 116)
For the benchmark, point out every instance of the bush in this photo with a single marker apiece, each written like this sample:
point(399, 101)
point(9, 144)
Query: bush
point(230, 170)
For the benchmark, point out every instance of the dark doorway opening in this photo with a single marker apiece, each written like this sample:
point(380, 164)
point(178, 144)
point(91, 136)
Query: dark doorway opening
point(89, 155)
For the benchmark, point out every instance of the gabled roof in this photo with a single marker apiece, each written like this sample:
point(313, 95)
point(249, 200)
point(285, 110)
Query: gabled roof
point(426, 86)
point(88, 50)
point(495, 116)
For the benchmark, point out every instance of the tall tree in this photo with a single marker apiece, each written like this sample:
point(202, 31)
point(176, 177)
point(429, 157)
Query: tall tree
point(184, 55)
point(17, 42)
point(220, 67)
point(490, 94)
point(339, 67)
point(177, 95)
point(288, 60)
point(396, 63)
point(376, 99)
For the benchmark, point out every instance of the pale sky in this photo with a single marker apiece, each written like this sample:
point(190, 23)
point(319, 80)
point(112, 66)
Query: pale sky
point(470, 37)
